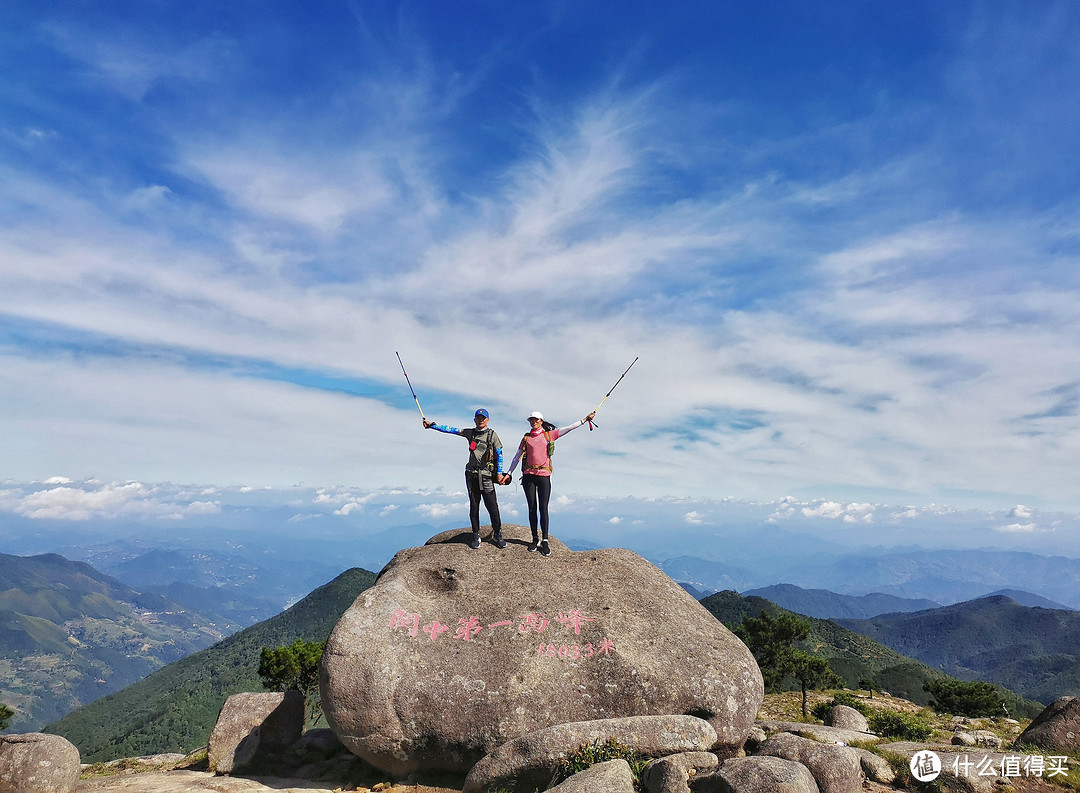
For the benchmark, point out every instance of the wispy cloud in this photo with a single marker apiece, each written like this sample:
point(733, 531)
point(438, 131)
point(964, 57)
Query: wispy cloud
point(821, 301)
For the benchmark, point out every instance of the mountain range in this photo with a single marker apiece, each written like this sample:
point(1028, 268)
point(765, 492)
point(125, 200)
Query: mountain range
point(941, 576)
point(69, 634)
point(1031, 650)
point(175, 707)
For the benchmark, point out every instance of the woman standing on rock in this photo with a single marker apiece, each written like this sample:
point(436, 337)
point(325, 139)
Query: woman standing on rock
point(535, 452)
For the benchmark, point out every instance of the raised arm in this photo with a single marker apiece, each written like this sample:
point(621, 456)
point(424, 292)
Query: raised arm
point(563, 430)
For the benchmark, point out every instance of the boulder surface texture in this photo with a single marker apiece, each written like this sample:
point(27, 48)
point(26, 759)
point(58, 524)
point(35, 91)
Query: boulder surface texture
point(38, 763)
point(758, 774)
point(254, 725)
point(612, 776)
point(454, 652)
point(531, 760)
point(1057, 727)
point(836, 769)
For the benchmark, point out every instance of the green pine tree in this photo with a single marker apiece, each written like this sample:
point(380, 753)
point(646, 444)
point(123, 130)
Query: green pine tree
point(294, 667)
point(5, 716)
point(771, 638)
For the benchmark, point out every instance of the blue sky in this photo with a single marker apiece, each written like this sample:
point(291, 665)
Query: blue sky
point(842, 240)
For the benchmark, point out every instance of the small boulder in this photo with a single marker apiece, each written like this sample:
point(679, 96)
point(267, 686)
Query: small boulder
point(876, 767)
point(1057, 727)
point(835, 768)
point(847, 718)
point(612, 776)
point(988, 739)
point(754, 738)
point(532, 759)
point(672, 774)
point(453, 652)
point(758, 774)
point(38, 763)
point(962, 739)
point(254, 726)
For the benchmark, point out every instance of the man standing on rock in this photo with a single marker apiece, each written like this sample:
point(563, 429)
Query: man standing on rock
point(485, 464)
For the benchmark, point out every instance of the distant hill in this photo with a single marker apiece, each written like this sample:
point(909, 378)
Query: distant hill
point(694, 592)
point(250, 575)
point(824, 604)
point(1028, 599)
point(951, 576)
point(1033, 651)
point(854, 657)
point(941, 576)
point(175, 708)
point(70, 634)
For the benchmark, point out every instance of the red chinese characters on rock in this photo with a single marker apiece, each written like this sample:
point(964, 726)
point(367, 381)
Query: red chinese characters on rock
point(468, 628)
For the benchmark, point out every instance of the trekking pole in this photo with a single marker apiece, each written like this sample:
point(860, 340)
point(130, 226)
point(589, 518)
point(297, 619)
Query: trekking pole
point(422, 416)
point(602, 401)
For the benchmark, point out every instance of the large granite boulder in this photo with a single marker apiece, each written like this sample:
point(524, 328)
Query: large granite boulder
point(38, 763)
point(454, 652)
point(253, 726)
point(1057, 727)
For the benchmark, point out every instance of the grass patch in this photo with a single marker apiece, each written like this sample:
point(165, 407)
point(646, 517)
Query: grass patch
point(589, 754)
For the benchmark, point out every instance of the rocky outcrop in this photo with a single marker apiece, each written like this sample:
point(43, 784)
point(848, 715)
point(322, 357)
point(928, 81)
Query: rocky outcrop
point(37, 763)
point(251, 726)
point(532, 759)
point(1056, 728)
point(836, 769)
point(454, 652)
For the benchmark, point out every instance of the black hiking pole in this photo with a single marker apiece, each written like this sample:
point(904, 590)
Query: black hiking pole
point(422, 416)
point(602, 401)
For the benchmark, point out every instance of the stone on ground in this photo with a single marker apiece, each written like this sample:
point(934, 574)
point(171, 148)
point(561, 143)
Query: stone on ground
point(37, 763)
point(252, 726)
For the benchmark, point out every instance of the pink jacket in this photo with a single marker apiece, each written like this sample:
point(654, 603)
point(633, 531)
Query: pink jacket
point(534, 447)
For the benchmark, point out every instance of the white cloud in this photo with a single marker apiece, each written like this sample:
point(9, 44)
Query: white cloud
point(108, 500)
point(694, 517)
point(435, 511)
point(1017, 528)
point(614, 520)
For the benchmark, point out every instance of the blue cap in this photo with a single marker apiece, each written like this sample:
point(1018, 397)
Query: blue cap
point(481, 412)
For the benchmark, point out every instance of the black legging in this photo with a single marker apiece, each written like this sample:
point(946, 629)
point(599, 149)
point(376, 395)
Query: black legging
point(537, 494)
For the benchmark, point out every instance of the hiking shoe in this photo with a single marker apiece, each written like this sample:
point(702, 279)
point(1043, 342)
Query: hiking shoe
point(474, 543)
point(544, 549)
point(534, 545)
point(498, 540)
